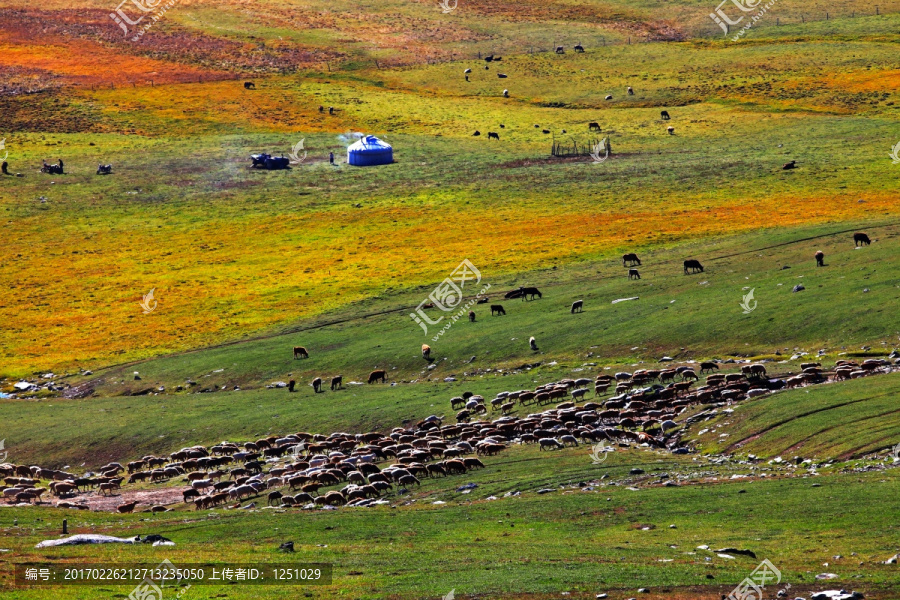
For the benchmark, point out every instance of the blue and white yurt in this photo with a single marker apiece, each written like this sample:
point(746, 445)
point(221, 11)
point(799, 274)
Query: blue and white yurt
point(369, 151)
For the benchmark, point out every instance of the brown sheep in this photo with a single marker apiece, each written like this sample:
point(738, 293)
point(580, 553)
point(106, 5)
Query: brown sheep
point(426, 352)
point(317, 385)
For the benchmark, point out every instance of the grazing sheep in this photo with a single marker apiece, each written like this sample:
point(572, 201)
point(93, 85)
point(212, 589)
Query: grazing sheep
point(568, 439)
point(301, 352)
point(820, 258)
point(577, 306)
point(609, 97)
point(337, 382)
point(249, 85)
point(630, 91)
point(708, 366)
point(467, 71)
point(317, 385)
point(493, 135)
point(580, 393)
point(789, 165)
point(532, 343)
point(380, 374)
point(127, 508)
point(505, 94)
point(560, 50)
point(633, 274)
point(274, 497)
point(549, 443)
point(502, 75)
point(579, 48)
point(471, 316)
point(593, 126)
point(426, 352)
point(477, 133)
point(671, 130)
point(497, 308)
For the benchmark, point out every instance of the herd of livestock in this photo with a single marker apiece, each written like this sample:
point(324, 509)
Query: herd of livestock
point(306, 470)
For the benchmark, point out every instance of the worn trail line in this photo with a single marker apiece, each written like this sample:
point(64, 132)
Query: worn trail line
point(400, 309)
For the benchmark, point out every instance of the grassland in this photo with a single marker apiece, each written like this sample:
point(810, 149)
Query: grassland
point(246, 264)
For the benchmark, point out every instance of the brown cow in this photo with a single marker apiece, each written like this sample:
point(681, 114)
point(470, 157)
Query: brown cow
point(376, 375)
point(337, 382)
point(301, 352)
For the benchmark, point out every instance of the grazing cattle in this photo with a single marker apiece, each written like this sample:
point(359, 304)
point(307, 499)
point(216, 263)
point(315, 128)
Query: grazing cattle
point(577, 306)
point(664, 115)
point(498, 309)
point(708, 366)
point(671, 130)
point(545, 131)
point(532, 343)
point(593, 126)
point(249, 85)
point(560, 50)
point(693, 266)
point(502, 75)
point(609, 97)
point(820, 258)
point(630, 91)
point(633, 274)
point(377, 375)
point(493, 135)
point(505, 95)
point(789, 165)
point(861, 239)
point(579, 48)
point(467, 71)
point(301, 352)
point(317, 384)
point(337, 382)
point(426, 352)
point(471, 316)
point(630, 260)
point(483, 300)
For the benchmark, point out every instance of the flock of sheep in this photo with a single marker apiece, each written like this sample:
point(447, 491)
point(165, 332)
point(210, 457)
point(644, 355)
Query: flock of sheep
point(304, 469)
